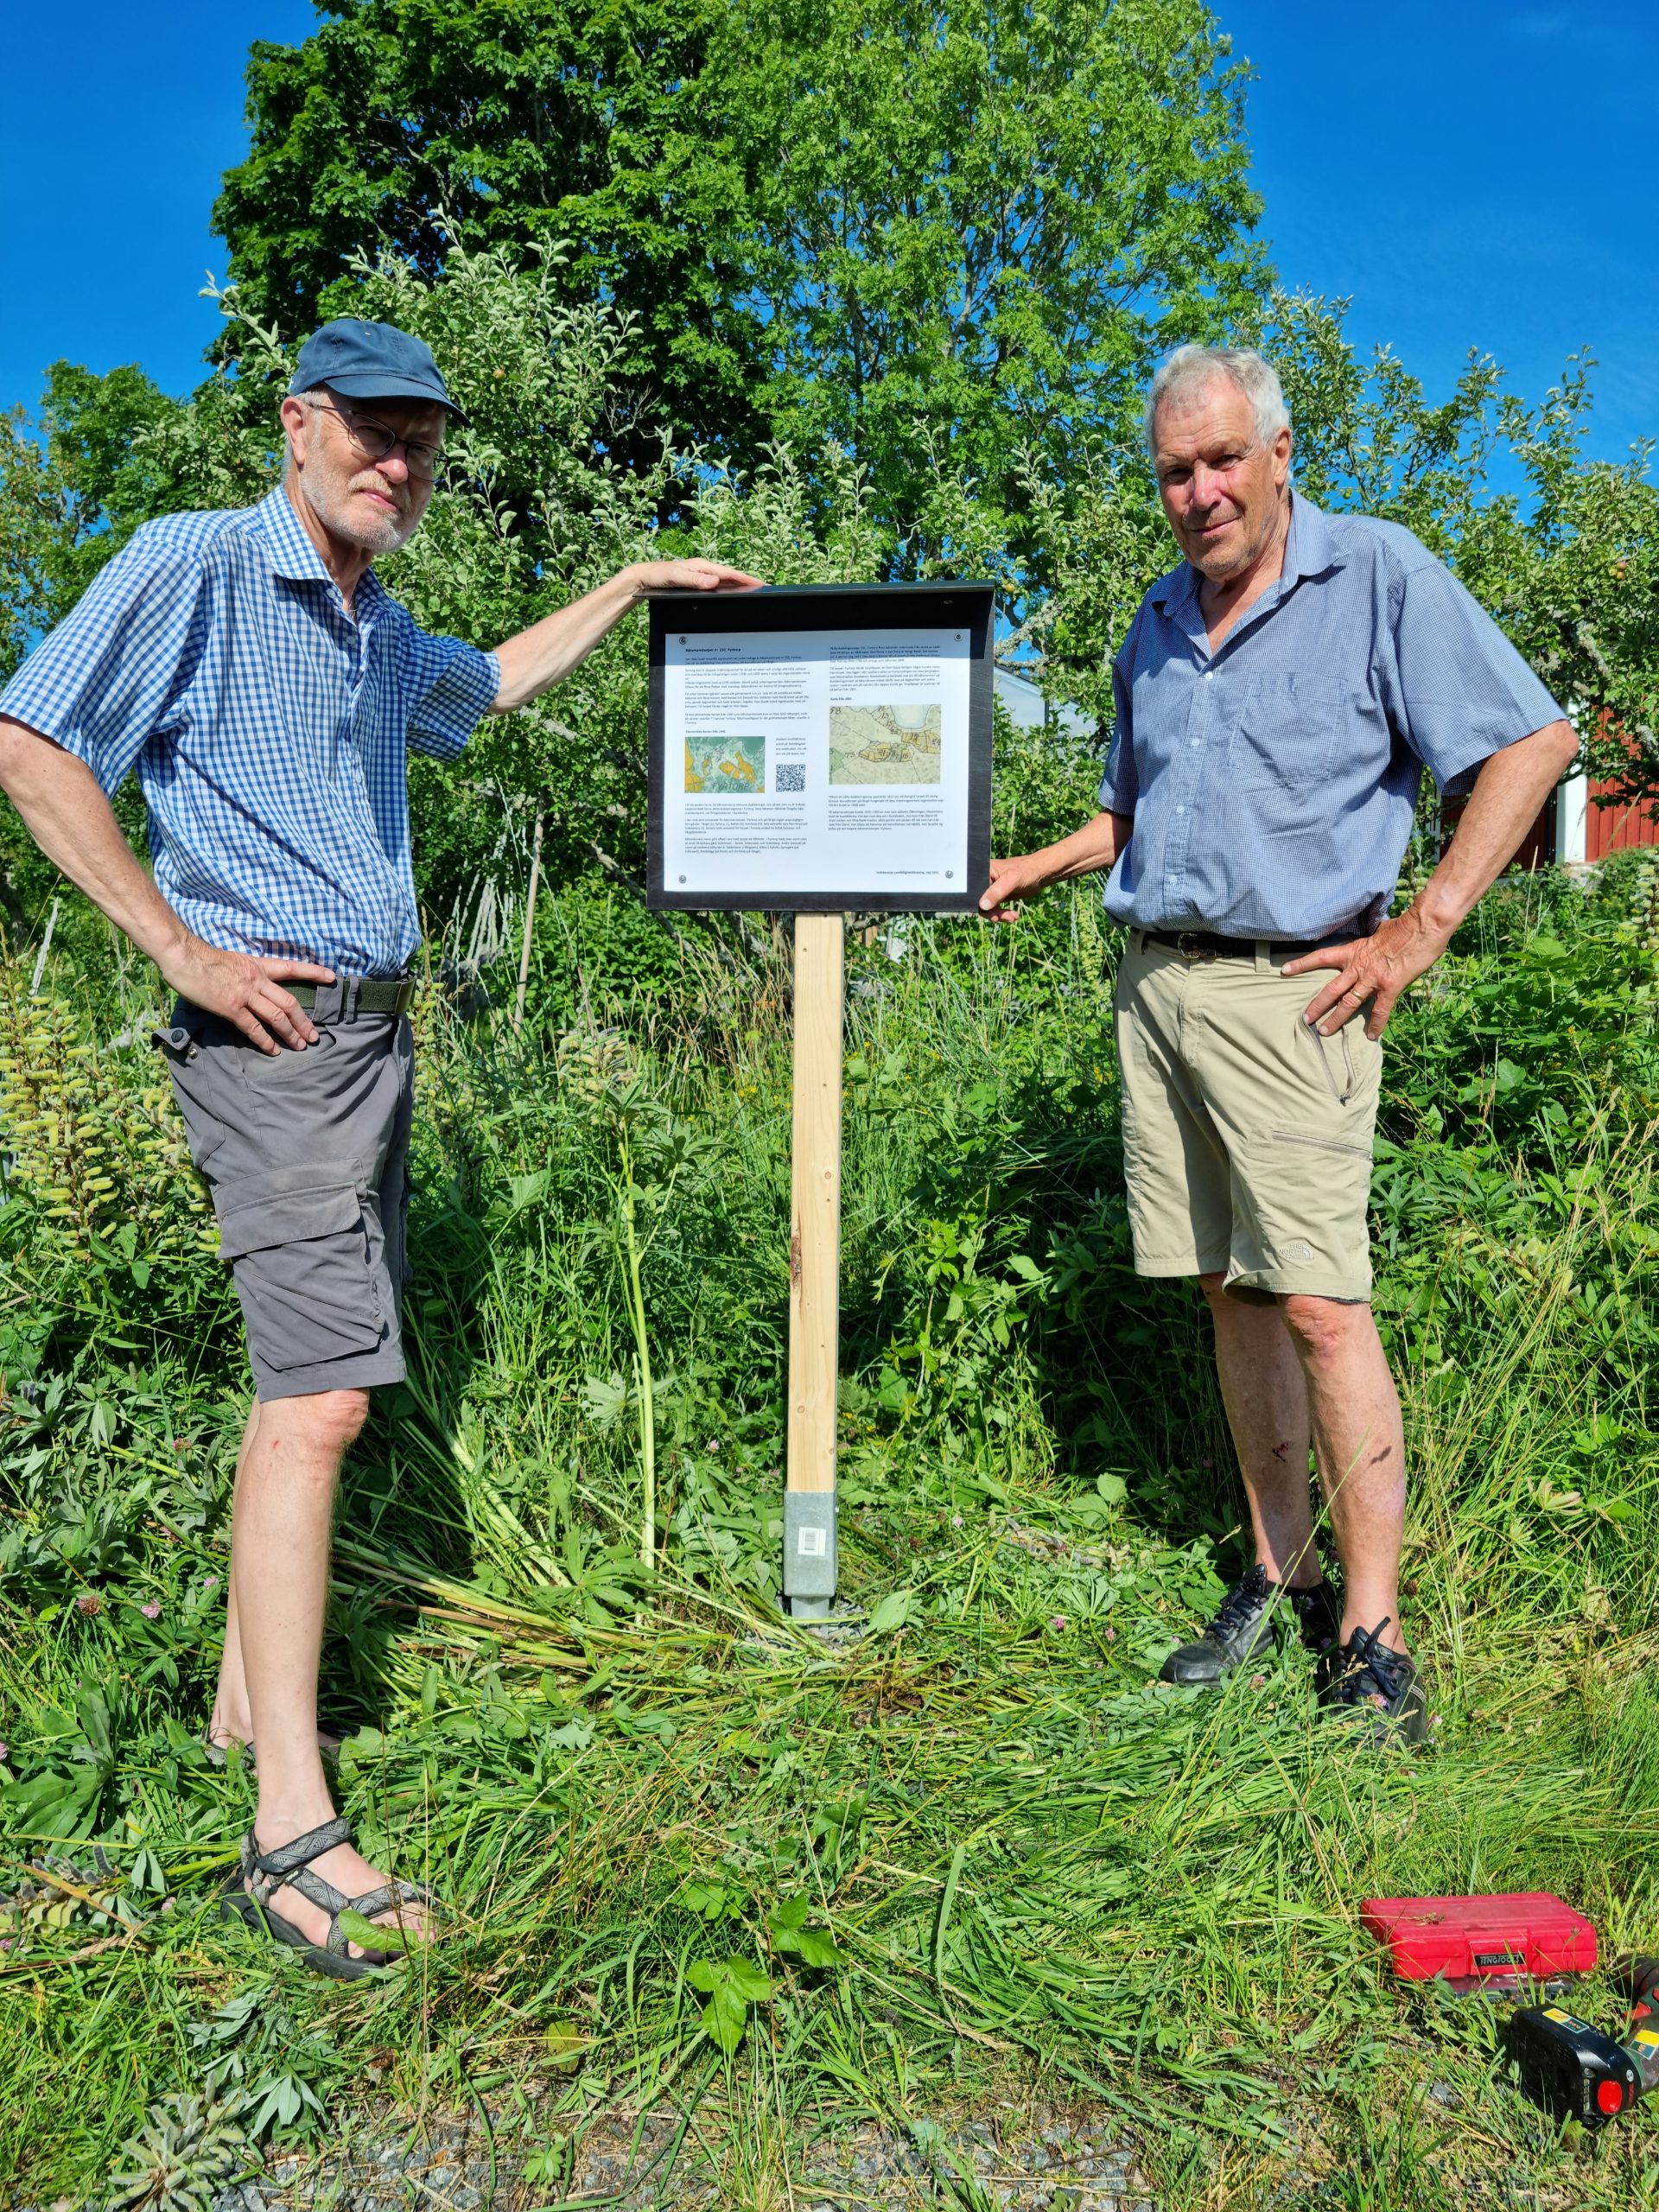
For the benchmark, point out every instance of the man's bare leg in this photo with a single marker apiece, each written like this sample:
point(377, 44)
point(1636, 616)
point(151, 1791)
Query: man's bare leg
point(1263, 1388)
point(231, 1723)
point(279, 1570)
point(1360, 1448)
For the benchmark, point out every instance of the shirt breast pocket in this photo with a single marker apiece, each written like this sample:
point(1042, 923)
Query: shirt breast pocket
point(1286, 733)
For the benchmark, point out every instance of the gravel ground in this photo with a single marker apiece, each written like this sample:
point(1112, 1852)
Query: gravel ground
point(451, 2166)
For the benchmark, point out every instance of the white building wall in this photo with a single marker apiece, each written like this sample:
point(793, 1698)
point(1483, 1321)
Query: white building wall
point(1573, 817)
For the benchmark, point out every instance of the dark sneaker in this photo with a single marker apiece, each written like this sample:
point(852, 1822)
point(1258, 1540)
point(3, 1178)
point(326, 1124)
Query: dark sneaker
point(1319, 1617)
point(1243, 1628)
point(1363, 1681)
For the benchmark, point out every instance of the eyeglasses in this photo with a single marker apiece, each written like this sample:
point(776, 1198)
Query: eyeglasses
point(376, 441)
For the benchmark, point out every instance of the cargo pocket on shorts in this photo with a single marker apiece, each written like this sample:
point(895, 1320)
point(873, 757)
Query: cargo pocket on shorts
point(301, 1263)
point(1311, 1203)
point(195, 1094)
point(1321, 1144)
point(1339, 1063)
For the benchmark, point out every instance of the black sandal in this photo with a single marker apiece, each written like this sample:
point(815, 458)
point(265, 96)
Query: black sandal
point(289, 1866)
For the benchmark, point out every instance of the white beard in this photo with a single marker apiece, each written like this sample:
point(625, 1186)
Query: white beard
point(330, 508)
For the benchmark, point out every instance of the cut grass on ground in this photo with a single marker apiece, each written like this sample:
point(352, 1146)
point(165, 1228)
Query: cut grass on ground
point(745, 1887)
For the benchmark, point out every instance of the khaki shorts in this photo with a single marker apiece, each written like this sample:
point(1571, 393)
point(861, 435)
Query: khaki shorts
point(1246, 1137)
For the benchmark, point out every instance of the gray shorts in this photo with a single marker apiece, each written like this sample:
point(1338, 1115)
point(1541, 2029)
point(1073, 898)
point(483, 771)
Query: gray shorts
point(307, 1156)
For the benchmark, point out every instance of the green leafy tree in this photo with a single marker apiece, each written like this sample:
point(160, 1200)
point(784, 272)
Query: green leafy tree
point(904, 225)
point(72, 488)
point(414, 124)
point(1564, 552)
point(975, 224)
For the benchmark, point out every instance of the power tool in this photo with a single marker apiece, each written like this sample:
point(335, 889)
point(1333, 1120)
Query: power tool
point(1574, 2071)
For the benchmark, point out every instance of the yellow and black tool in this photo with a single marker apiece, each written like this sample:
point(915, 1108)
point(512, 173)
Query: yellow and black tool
point(1574, 2071)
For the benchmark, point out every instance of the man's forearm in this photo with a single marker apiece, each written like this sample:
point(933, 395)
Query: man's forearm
point(1511, 789)
point(549, 649)
point(67, 814)
point(1096, 846)
point(542, 656)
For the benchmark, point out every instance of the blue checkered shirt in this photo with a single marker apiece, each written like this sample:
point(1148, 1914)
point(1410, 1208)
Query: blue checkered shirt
point(268, 729)
point(1273, 782)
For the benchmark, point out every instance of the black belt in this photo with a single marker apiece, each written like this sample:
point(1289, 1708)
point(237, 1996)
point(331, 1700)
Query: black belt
point(1207, 944)
point(368, 994)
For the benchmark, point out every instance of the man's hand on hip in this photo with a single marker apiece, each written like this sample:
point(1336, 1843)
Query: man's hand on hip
point(1512, 785)
point(247, 991)
point(69, 819)
point(1371, 972)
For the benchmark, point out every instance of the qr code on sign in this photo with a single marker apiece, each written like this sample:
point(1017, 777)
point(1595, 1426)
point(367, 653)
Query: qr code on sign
point(792, 776)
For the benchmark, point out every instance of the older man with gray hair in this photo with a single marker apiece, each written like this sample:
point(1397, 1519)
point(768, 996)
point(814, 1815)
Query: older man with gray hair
point(1277, 699)
point(251, 669)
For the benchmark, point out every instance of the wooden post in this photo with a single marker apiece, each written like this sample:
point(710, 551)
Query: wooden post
point(814, 1269)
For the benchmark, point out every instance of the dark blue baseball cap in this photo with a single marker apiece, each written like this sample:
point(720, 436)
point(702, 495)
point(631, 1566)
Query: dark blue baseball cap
point(371, 360)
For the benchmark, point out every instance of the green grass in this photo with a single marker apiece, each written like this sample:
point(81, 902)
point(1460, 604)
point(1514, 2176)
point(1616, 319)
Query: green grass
point(696, 1859)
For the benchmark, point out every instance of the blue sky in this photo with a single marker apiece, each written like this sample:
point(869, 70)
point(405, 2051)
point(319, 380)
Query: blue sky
point(1472, 174)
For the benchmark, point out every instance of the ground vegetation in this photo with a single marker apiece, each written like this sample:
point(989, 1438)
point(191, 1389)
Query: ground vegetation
point(710, 1875)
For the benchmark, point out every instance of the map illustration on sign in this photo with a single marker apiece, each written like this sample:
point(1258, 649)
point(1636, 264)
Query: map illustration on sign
point(731, 766)
point(884, 744)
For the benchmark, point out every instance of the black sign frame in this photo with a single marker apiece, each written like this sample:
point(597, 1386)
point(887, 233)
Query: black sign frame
point(832, 607)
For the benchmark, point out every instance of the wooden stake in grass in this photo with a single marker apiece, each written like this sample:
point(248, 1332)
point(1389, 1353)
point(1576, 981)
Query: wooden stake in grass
point(814, 1268)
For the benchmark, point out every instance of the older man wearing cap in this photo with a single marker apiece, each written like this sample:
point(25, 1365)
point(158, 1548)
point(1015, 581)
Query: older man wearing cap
point(1277, 699)
point(265, 688)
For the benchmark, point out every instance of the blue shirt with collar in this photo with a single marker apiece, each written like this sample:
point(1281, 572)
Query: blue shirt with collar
point(268, 729)
point(1273, 782)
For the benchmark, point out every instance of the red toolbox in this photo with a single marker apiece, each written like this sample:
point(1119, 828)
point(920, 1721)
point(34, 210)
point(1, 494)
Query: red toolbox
point(1472, 1942)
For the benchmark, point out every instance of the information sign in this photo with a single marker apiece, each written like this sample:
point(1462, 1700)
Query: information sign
point(821, 748)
